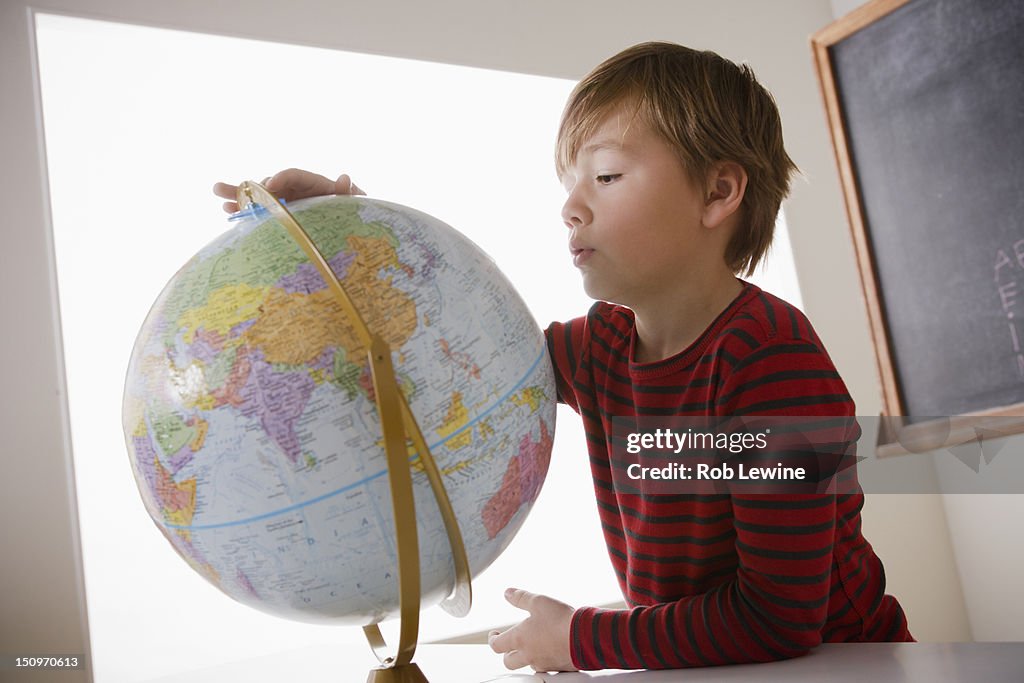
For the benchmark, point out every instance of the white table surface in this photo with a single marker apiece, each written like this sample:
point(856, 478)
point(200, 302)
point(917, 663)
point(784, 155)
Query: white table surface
point(830, 663)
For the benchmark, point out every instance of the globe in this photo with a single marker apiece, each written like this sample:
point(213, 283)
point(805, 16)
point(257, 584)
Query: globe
point(250, 420)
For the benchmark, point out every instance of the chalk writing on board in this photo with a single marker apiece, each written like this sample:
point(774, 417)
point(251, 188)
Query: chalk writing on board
point(1008, 262)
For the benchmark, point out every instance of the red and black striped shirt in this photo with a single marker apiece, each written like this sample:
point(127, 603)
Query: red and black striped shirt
point(719, 579)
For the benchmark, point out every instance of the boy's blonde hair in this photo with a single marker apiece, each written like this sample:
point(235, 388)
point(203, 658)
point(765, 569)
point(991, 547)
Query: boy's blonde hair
point(709, 110)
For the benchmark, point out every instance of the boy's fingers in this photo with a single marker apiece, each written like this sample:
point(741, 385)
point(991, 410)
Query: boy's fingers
point(225, 191)
point(501, 642)
point(291, 184)
point(344, 185)
point(280, 181)
point(514, 660)
point(277, 184)
point(517, 597)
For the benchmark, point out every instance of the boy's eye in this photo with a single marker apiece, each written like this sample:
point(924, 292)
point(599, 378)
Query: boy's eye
point(607, 179)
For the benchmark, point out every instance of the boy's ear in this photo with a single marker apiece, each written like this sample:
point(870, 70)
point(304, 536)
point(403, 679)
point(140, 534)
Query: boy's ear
point(724, 190)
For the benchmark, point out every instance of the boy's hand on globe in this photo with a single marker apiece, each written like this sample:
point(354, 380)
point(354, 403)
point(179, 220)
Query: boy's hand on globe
point(540, 641)
point(290, 185)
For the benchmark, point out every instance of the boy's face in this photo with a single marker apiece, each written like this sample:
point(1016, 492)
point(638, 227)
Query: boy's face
point(634, 215)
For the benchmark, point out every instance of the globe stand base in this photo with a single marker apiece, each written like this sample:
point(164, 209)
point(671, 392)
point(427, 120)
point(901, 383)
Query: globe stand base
point(407, 673)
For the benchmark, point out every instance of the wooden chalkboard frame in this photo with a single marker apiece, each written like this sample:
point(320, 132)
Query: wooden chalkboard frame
point(896, 435)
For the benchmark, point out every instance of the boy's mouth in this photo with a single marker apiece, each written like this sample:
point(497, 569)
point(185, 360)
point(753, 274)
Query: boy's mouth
point(580, 255)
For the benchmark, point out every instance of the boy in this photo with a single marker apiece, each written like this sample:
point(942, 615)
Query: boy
point(675, 170)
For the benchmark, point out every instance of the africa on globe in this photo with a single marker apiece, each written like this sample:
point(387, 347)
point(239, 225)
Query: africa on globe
point(250, 420)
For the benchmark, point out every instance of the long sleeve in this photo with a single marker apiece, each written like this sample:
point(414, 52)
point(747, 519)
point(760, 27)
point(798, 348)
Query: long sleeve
point(774, 608)
point(564, 342)
point(776, 603)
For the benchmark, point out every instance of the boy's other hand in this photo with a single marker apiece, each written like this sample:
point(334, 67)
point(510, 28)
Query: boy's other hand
point(540, 641)
point(290, 185)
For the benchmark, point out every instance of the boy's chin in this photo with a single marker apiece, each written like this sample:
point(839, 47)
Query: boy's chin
point(597, 292)
point(594, 289)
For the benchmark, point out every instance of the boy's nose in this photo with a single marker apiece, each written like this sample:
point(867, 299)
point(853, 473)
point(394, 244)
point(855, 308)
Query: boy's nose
point(573, 213)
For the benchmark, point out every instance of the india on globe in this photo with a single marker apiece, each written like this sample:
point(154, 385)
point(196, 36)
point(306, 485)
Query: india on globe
point(250, 420)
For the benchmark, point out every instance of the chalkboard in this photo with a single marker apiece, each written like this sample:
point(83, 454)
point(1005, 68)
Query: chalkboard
point(926, 106)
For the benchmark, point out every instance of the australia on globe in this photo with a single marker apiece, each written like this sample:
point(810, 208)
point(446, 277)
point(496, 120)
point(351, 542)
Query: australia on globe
point(250, 421)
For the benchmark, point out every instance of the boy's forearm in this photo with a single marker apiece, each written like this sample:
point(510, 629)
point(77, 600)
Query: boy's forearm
point(774, 609)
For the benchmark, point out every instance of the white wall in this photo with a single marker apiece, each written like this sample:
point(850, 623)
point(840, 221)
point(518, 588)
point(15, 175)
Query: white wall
point(38, 604)
point(986, 532)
